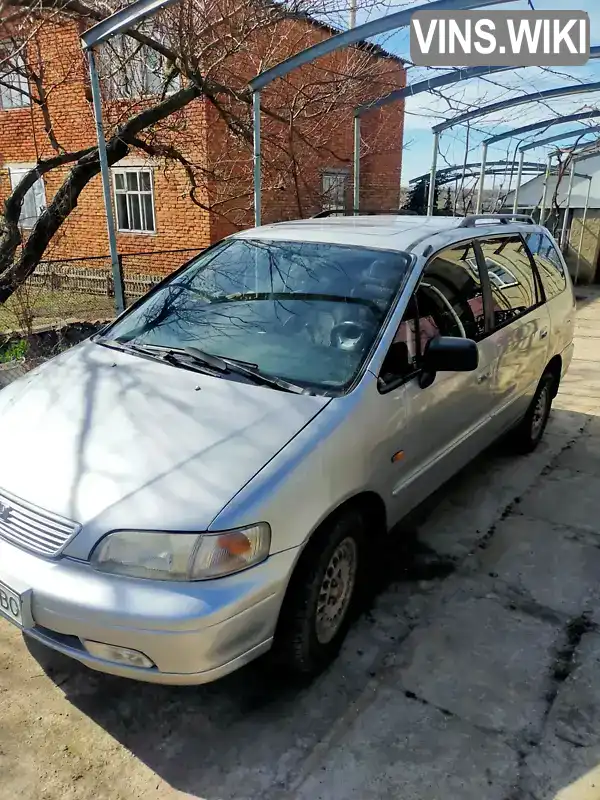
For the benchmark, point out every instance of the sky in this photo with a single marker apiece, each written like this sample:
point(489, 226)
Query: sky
point(425, 110)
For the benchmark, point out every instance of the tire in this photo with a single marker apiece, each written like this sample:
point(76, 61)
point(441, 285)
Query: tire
point(322, 596)
point(530, 431)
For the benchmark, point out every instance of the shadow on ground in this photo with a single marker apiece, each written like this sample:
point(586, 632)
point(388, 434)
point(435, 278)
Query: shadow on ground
point(253, 733)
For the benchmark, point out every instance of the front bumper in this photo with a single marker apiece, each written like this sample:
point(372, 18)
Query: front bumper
point(193, 632)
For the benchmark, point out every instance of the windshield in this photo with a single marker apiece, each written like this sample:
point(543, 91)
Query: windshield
point(305, 312)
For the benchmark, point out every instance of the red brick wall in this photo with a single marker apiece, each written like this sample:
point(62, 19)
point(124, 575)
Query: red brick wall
point(202, 136)
point(326, 137)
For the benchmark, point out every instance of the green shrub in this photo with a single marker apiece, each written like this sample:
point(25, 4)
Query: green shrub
point(14, 351)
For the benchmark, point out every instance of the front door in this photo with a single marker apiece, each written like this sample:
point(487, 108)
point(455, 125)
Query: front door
point(429, 433)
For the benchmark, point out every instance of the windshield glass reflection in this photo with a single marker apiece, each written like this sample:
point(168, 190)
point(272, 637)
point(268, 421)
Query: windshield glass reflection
point(305, 312)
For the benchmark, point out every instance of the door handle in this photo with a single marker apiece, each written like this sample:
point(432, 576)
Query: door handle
point(484, 377)
point(543, 334)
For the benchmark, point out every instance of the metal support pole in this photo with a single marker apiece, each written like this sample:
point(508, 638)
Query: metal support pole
point(484, 151)
point(519, 178)
point(545, 189)
point(563, 234)
point(433, 174)
point(105, 174)
point(356, 200)
point(256, 156)
point(352, 20)
point(583, 221)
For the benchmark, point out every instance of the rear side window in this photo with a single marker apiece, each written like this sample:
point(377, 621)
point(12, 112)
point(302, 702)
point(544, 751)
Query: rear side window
point(548, 262)
point(515, 289)
point(450, 293)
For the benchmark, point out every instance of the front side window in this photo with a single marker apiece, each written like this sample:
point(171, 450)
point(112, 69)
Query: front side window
point(305, 312)
point(34, 202)
point(448, 302)
point(515, 290)
point(451, 284)
point(134, 199)
point(548, 262)
point(14, 87)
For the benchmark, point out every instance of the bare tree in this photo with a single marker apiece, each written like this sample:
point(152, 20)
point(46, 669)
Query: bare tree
point(190, 64)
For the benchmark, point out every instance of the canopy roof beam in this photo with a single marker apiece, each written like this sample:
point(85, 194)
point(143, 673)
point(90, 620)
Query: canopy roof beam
point(519, 100)
point(557, 137)
point(538, 126)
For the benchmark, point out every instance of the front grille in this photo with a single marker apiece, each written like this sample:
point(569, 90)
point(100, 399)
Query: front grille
point(33, 528)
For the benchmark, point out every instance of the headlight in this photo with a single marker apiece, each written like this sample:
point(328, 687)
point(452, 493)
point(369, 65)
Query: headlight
point(182, 556)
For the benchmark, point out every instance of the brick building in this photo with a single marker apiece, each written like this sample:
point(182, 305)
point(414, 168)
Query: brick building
point(152, 196)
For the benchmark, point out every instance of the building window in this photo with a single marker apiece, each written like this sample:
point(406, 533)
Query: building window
point(34, 201)
point(14, 88)
point(333, 190)
point(131, 70)
point(134, 199)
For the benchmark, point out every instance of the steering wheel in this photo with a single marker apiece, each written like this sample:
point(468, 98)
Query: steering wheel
point(350, 335)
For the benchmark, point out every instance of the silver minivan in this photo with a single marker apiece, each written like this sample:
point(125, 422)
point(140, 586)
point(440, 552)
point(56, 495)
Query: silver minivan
point(205, 478)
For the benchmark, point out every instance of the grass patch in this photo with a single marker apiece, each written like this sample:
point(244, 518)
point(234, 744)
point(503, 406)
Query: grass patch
point(32, 307)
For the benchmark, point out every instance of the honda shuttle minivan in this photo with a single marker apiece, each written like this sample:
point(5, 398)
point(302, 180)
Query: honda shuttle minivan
point(205, 478)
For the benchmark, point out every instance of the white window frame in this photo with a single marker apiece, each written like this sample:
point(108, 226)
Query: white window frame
point(139, 192)
point(35, 196)
point(331, 201)
point(11, 98)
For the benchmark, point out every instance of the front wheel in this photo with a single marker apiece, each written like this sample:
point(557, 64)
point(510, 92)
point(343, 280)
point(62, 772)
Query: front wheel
point(321, 598)
point(530, 431)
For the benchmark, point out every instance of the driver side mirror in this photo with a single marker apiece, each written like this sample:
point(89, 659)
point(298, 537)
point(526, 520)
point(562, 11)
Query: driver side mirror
point(448, 354)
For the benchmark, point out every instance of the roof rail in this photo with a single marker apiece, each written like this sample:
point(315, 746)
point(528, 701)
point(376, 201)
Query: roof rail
point(363, 212)
point(470, 221)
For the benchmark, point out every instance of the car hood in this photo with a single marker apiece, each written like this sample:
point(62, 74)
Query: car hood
point(112, 440)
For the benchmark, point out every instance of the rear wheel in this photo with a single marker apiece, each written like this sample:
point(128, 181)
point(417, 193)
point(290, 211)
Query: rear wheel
point(530, 431)
point(321, 598)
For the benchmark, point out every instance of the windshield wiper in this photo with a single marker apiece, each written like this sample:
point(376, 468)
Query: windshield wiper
point(177, 356)
point(253, 372)
point(126, 347)
point(224, 364)
point(197, 357)
point(190, 356)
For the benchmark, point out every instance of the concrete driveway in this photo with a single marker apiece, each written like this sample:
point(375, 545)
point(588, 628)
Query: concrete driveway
point(475, 674)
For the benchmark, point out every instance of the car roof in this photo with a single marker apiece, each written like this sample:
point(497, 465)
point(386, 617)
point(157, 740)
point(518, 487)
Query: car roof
point(386, 231)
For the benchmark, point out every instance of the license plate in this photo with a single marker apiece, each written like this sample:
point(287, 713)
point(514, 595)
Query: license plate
point(10, 605)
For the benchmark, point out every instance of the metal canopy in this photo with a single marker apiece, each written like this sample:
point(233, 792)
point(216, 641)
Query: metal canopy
point(477, 165)
point(557, 137)
point(447, 78)
point(121, 21)
point(537, 126)
point(492, 171)
point(429, 84)
point(354, 35)
point(511, 102)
